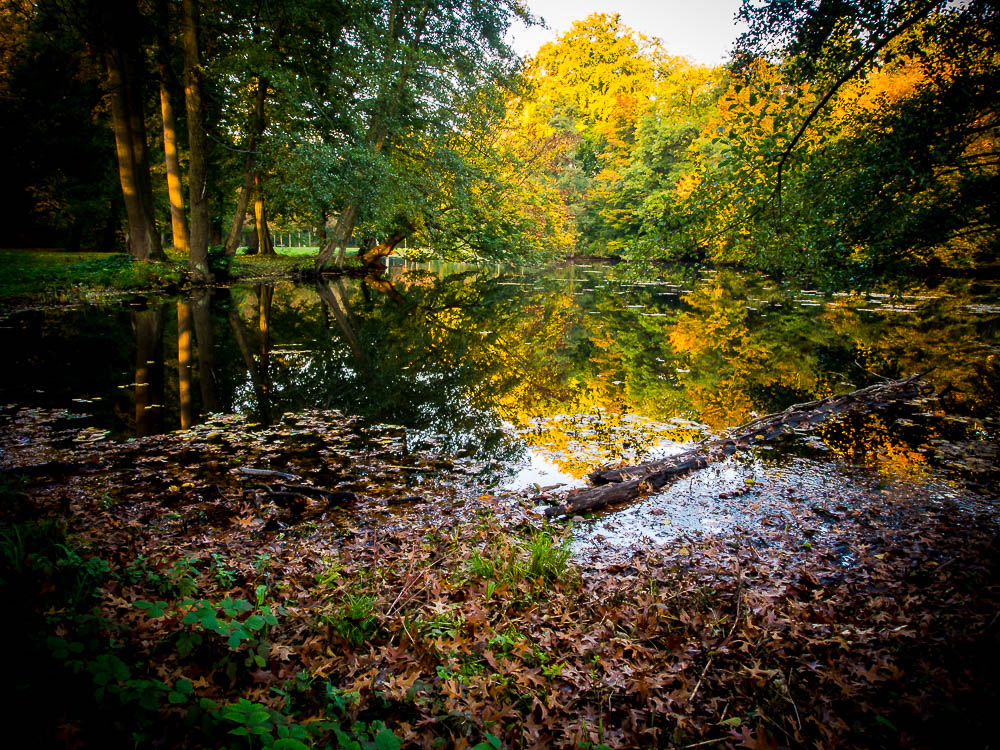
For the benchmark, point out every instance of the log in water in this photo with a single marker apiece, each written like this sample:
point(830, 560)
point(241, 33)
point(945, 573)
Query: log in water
point(621, 484)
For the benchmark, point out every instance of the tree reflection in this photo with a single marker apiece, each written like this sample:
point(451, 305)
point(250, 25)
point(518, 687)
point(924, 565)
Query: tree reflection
point(576, 364)
point(147, 326)
point(184, 364)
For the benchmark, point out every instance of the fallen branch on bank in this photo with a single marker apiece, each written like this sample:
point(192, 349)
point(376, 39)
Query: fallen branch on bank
point(267, 473)
point(619, 485)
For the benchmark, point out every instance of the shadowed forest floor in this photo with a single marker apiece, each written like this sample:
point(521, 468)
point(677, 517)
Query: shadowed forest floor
point(371, 598)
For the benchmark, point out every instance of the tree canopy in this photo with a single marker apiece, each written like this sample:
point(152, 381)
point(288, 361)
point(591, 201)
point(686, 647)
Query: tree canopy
point(844, 139)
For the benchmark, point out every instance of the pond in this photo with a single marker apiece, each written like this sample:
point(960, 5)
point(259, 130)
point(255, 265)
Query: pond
point(524, 380)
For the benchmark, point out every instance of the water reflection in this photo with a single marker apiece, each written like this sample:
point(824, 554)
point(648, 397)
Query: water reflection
point(556, 370)
point(148, 398)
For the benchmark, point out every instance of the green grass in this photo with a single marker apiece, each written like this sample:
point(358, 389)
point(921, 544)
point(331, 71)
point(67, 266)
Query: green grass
point(56, 276)
point(60, 275)
point(511, 560)
point(285, 252)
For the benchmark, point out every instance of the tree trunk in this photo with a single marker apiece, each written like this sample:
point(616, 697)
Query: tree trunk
point(197, 145)
point(257, 125)
point(178, 222)
point(322, 230)
point(374, 255)
point(265, 246)
point(253, 241)
point(338, 240)
point(390, 97)
point(121, 58)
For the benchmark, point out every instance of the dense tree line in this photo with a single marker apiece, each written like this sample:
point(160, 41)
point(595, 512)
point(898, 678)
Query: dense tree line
point(844, 137)
point(377, 118)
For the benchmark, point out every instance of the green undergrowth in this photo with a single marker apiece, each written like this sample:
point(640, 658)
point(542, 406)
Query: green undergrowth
point(193, 662)
point(53, 276)
point(76, 668)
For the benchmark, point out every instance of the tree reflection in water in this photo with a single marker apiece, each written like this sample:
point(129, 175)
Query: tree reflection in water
point(577, 365)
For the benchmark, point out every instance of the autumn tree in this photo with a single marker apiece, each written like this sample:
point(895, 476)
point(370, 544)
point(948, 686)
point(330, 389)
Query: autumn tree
point(619, 107)
point(864, 135)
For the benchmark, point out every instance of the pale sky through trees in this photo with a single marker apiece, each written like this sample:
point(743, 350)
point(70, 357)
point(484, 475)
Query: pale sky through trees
point(701, 30)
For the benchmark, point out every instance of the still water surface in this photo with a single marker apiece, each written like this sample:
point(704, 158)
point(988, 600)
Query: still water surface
point(535, 377)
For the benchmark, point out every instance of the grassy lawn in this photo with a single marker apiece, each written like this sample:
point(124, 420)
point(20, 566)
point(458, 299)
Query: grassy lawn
point(55, 276)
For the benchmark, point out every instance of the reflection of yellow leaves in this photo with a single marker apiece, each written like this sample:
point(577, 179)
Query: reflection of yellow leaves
point(871, 442)
point(583, 441)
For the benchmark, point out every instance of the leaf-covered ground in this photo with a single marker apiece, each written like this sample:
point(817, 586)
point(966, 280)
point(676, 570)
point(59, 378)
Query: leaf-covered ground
point(364, 593)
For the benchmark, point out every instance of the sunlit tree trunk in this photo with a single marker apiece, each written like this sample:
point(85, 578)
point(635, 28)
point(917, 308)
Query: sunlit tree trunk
point(178, 222)
point(264, 244)
point(257, 126)
point(375, 255)
point(121, 57)
point(197, 145)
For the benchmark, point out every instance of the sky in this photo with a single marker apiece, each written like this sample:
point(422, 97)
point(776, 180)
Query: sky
point(701, 30)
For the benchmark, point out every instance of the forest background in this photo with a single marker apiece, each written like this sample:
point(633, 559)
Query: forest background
point(843, 140)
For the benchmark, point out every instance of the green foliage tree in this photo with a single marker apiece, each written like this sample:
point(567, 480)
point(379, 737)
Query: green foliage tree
point(859, 138)
point(623, 113)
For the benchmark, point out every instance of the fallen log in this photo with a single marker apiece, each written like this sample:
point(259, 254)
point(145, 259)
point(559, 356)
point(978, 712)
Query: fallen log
point(269, 473)
point(621, 484)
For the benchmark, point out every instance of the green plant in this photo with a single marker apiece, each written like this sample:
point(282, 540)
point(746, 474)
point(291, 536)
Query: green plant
point(218, 262)
point(507, 640)
point(354, 618)
point(181, 578)
point(331, 574)
point(12, 549)
point(224, 575)
point(510, 559)
point(440, 625)
point(141, 571)
point(223, 618)
point(262, 563)
point(490, 743)
point(548, 558)
point(552, 670)
point(481, 565)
